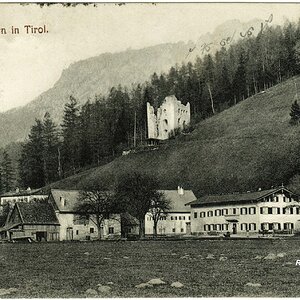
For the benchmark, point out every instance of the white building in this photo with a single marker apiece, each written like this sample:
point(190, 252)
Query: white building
point(269, 211)
point(172, 114)
point(178, 219)
point(22, 196)
point(73, 226)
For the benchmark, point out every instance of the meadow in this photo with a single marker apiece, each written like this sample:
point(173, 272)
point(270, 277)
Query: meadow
point(206, 268)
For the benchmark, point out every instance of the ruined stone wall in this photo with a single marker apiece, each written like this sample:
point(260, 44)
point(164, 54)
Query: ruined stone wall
point(170, 115)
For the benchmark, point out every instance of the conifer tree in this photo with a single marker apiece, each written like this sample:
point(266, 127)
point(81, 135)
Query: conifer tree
point(7, 173)
point(295, 113)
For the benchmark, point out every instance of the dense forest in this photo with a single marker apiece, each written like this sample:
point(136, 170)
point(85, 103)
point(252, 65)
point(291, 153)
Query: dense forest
point(99, 130)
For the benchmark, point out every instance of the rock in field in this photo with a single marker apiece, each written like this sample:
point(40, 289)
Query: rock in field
point(253, 284)
point(282, 254)
point(90, 293)
point(210, 256)
point(143, 285)
point(103, 289)
point(125, 257)
point(86, 253)
point(177, 284)
point(223, 258)
point(156, 281)
point(271, 256)
point(7, 291)
point(258, 257)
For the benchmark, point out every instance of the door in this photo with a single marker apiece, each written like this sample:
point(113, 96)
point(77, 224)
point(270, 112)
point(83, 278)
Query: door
point(69, 236)
point(188, 228)
point(41, 236)
point(234, 228)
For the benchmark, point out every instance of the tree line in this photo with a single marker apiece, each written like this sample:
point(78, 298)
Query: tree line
point(97, 131)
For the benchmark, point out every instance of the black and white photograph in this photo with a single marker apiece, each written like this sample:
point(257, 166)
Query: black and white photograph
point(149, 150)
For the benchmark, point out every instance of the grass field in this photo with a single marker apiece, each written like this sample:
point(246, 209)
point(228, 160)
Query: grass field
point(69, 269)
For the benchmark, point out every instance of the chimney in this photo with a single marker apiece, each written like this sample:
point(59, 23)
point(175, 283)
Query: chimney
point(17, 190)
point(62, 201)
point(28, 189)
point(180, 190)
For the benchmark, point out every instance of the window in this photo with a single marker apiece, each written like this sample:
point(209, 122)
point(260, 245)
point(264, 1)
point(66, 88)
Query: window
point(92, 230)
point(225, 211)
point(252, 226)
point(171, 218)
point(288, 226)
point(173, 229)
point(297, 210)
point(270, 210)
point(210, 213)
point(77, 232)
point(195, 215)
point(218, 227)
point(189, 217)
point(264, 226)
point(179, 217)
point(111, 230)
point(244, 226)
point(176, 218)
point(217, 212)
point(283, 210)
point(181, 230)
point(205, 227)
point(284, 199)
point(234, 211)
point(183, 218)
point(252, 210)
point(276, 226)
point(224, 226)
point(264, 210)
point(202, 214)
point(243, 210)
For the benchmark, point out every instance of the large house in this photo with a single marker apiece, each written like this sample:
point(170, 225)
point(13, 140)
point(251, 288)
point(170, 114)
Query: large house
point(274, 210)
point(73, 224)
point(178, 219)
point(35, 220)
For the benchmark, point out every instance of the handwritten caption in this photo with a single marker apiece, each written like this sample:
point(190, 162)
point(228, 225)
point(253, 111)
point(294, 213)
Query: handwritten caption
point(206, 47)
point(26, 29)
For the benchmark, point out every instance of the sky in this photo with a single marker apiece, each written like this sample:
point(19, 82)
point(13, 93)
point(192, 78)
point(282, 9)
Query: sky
point(31, 63)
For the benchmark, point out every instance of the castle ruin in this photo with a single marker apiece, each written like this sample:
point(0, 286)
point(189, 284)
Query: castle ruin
point(172, 114)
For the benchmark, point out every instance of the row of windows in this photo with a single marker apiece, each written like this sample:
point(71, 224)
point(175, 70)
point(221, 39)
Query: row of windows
point(250, 226)
point(173, 218)
point(278, 210)
point(111, 230)
point(277, 226)
point(225, 211)
point(276, 199)
point(210, 227)
point(174, 230)
point(250, 210)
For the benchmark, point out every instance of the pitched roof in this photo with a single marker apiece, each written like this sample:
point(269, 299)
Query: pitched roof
point(178, 202)
point(37, 213)
point(70, 198)
point(23, 193)
point(237, 197)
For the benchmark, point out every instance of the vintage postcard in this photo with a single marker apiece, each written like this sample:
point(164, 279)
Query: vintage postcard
point(149, 150)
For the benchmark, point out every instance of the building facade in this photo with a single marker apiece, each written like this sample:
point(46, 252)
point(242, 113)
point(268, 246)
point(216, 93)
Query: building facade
point(269, 211)
point(76, 226)
point(172, 114)
point(178, 219)
point(35, 220)
point(22, 196)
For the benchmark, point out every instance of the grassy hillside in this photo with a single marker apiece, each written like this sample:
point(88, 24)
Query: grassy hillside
point(248, 146)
